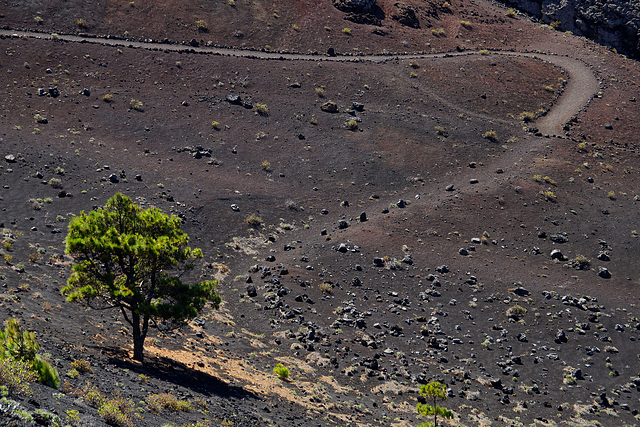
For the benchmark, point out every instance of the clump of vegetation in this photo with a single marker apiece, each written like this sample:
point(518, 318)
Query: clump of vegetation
point(483, 52)
point(527, 116)
point(581, 147)
point(16, 375)
point(281, 371)
point(82, 366)
point(39, 118)
point(202, 26)
point(612, 195)
point(466, 24)
point(414, 64)
point(433, 392)
point(162, 401)
point(92, 396)
point(346, 31)
point(556, 25)
point(326, 287)
point(136, 105)
point(262, 109)
point(117, 412)
point(215, 125)
point(549, 195)
point(351, 125)
point(516, 312)
point(441, 131)
point(512, 13)
point(19, 349)
point(547, 179)
point(266, 166)
point(254, 221)
point(55, 183)
point(491, 135)
point(80, 22)
point(320, 91)
point(108, 98)
point(439, 32)
point(122, 258)
point(581, 262)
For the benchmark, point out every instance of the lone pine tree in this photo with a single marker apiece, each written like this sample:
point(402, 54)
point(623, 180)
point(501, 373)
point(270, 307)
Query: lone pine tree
point(131, 259)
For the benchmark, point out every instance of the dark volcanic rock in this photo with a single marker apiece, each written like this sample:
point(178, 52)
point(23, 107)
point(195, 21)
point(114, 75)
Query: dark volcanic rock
point(357, 6)
point(406, 15)
point(615, 24)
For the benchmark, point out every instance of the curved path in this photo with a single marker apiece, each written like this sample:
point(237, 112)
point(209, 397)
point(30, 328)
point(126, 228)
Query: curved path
point(580, 89)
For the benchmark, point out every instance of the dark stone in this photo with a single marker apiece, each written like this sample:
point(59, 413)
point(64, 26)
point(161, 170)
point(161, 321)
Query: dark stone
point(234, 99)
point(329, 107)
point(251, 291)
point(406, 15)
point(604, 273)
point(520, 291)
point(561, 337)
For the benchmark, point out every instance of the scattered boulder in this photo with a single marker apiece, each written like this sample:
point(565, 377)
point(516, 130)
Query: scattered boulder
point(357, 6)
point(329, 107)
point(406, 15)
point(561, 337)
point(559, 238)
point(604, 273)
point(234, 99)
point(520, 291)
point(557, 254)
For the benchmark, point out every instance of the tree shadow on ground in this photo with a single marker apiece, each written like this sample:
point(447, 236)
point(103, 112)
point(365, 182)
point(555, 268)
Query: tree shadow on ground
point(178, 373)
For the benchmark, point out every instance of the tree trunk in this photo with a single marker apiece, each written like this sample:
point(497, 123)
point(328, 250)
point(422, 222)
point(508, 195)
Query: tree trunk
point(138, 338)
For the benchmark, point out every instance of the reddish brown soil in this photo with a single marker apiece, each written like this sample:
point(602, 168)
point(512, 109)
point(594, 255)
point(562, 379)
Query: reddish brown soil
point(418, 134)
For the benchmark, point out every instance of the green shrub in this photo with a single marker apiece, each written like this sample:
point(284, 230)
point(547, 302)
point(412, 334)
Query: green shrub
point(45, 418)
point(21, 345)
point(490, 135)
point(262, 109)
point(136, 105)
point(82, 366)
point(16, 375)
point(158, 402)
point(202, 26)
point(516, 312)
point(117, 412)
point(92, 397)
point(73, 373)
point(55, 183)
point(254, 221)
point(281, 371)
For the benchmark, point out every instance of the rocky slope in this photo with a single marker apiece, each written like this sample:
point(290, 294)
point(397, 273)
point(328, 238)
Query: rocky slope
point(613, 23)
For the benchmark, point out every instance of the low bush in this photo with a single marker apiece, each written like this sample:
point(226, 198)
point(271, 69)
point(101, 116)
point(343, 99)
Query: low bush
point(254, 221)
point(16, 375)
point(281, 371)
point(117, 412)
point(158, 402)
point(19, 345)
